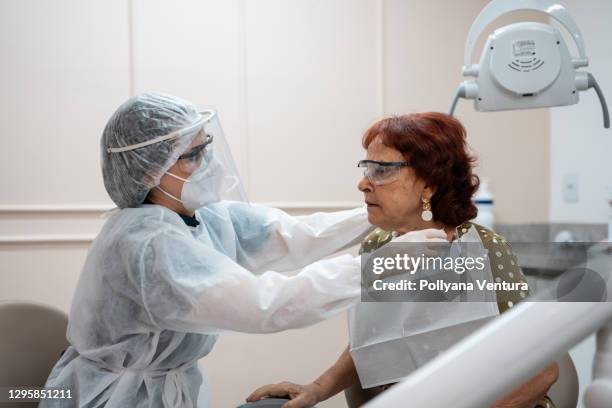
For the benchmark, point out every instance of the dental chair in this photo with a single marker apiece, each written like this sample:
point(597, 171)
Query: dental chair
point(32, 336)
point(267, 403)
point(564, 392)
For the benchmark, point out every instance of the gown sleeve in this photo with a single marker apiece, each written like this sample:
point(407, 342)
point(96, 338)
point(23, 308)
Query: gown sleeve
point(269, 238)
point(186, 285)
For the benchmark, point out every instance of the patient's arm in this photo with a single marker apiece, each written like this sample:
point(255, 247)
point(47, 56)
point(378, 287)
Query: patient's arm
point(338, 377)
point(529, 393)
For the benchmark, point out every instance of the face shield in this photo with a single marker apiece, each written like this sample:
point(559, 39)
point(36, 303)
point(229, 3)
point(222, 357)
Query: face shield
point(213, 175)
point(230, 184)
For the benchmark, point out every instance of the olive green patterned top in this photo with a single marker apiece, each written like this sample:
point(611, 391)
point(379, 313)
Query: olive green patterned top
point(504, 267)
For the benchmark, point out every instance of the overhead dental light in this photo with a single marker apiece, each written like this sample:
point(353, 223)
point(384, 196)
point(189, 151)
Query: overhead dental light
point(527, 64)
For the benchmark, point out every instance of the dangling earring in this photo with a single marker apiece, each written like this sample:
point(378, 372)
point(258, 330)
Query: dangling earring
point(426, 215)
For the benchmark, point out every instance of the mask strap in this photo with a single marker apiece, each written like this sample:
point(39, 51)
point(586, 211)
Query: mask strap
point(169, 195)
point(177, 177)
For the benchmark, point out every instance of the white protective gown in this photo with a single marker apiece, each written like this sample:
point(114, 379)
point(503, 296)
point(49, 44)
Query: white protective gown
point(154, 293)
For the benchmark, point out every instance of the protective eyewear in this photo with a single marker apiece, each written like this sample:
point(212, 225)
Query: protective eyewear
point(380, 173)
point(190, 161)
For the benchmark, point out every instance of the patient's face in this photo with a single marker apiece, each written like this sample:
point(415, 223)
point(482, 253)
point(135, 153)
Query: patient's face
point(395, 206)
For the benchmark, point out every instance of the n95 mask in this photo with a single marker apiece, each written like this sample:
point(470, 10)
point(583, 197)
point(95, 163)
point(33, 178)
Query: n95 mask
point(202, 187)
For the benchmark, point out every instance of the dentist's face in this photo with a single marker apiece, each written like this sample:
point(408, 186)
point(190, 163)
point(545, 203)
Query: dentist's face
point(174, 186)
point(395, 206)
point(171, 184)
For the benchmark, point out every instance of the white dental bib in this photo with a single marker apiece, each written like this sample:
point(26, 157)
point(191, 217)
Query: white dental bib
point(389, 340)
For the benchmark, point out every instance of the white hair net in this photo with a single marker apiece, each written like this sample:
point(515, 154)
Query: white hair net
point(129, 174)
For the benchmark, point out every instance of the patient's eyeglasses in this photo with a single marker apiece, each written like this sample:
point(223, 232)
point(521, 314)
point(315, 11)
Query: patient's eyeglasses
point(379, 172)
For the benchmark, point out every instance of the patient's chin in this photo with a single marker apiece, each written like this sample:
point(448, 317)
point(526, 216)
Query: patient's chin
point(375, 217)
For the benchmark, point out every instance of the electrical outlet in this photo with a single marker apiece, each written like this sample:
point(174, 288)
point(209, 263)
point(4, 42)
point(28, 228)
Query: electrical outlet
point(570, 188)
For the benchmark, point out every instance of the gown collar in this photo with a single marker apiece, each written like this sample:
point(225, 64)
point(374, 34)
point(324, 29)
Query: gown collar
point(190, 221)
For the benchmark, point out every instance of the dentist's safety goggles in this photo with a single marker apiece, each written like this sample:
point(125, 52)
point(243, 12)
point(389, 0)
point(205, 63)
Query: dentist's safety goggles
point(191, 160)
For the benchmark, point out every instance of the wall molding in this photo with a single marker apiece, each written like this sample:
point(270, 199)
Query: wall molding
point(54, 209)
point(47, 239)
point(98, 208)
point(25, 213)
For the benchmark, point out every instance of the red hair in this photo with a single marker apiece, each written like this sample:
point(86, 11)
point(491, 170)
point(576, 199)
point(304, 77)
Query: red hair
point(435, 146)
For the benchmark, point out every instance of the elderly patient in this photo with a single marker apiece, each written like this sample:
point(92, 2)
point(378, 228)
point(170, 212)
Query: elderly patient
point(418, 181)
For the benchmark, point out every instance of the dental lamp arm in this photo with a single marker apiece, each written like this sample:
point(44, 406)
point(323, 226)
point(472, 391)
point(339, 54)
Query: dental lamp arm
point(602, 99)
point(459, 93)
point(546, 329)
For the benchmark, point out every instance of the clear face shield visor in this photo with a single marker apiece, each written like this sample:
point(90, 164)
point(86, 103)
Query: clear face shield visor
point(380, 173)
point(208, 168)
point(210, 158)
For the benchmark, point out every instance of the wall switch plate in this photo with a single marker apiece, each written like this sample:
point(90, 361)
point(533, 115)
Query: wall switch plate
point(570, 188)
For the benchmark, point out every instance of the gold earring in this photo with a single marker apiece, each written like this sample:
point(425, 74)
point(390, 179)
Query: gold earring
point(426, 215)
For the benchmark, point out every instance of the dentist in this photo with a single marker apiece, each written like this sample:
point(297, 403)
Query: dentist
point(185, 258)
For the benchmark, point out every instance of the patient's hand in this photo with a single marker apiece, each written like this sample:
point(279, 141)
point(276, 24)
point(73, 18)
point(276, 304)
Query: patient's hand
point(336, 378)
point(528, 394)
point(302, 396)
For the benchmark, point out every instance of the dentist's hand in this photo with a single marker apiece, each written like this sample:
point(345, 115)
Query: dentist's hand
point(302, 396)
point(426, 235)
point(420, 239)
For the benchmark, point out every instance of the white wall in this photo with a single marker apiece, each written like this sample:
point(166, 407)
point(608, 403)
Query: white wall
point(295, 83)
point(64, 68)
point(579, 144)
